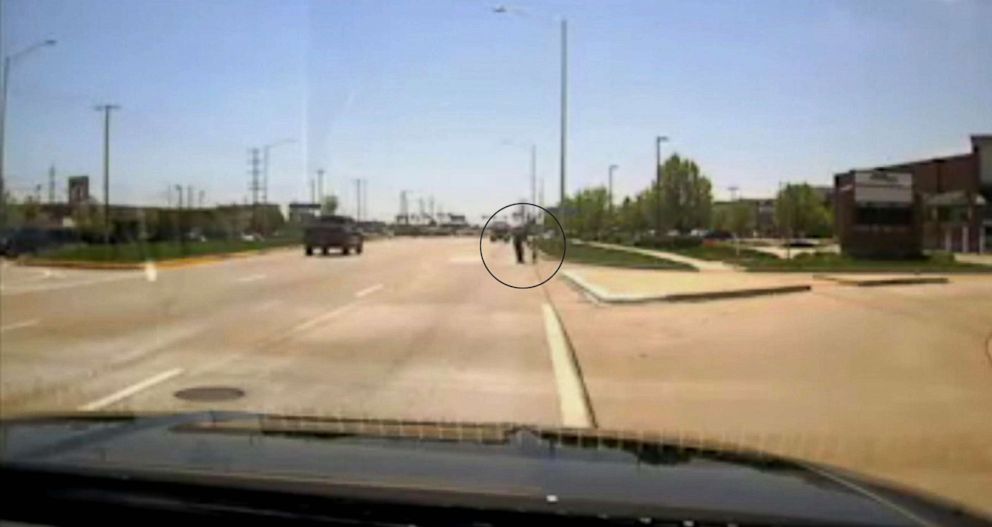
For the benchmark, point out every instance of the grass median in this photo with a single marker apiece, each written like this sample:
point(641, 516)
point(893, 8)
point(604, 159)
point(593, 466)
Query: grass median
point(140, 252)
point(724, 253)
point(838, 263)
point(590, 255)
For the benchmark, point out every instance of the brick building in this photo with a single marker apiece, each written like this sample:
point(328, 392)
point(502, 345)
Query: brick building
point(931, 204)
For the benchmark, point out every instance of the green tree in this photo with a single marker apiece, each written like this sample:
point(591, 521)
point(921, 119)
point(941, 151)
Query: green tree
point(799, 211)
point(330, 205)
point(737, 218)
point(588, 212)
point(686, 195)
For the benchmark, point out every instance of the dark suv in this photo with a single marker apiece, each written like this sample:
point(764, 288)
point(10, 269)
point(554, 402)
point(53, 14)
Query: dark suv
point(333, 231)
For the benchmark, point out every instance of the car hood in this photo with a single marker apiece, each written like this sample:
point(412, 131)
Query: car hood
point(501, 465)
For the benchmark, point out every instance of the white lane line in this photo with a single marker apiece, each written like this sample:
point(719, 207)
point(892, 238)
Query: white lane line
point(130, 390)
point(19, 325)
point(571, 397)
point(252, 278)
point(322, 318)
point(368, 291)
point(23, 290)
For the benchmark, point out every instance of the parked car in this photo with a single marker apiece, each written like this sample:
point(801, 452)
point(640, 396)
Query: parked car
point(33, 240)
point(718, 235)
point(333, 231)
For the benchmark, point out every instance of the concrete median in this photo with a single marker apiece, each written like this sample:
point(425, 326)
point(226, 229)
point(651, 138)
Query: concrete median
point(687, 290)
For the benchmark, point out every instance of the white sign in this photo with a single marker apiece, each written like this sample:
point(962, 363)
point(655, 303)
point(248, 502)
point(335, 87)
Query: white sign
point(883, 187)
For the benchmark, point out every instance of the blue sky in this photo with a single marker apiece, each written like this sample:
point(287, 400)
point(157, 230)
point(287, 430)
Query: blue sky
point(425, 95)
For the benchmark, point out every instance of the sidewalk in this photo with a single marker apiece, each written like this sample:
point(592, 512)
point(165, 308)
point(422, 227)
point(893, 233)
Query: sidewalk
point(980, 259)
point(702, 265)
point(890, 383)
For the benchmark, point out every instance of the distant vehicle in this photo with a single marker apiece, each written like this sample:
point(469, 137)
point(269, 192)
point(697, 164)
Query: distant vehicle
point(251, 237)
point(333, 231)
point(718, 235)
point(499, 231)
point(32, 240)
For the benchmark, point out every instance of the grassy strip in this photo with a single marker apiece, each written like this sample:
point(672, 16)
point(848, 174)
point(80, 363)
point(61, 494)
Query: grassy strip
point(837, 263)
point(140, 252)
point(724, 253)
point(586, 254)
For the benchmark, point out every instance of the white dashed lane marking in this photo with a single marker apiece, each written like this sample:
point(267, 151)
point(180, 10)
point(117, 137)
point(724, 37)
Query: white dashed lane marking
point(120, 395)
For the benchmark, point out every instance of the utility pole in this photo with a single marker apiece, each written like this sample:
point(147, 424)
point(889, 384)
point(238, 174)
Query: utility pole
point(405, 206)
point(201, 198)
point(533, 173)
point(320, 185)
point(612, 168)
point(255, 185)
point(189, 196)
point(431, 206)
point(51, 184)
point(358, 199)
point(179, 192)
point(313, 190)
point(657, 185)
point(365, 198)
point(106, 109)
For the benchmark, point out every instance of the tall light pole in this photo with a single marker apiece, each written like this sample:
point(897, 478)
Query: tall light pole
point(563, 124)
point(265, 165)
point(533, 166)
point(657, 184)
point(8, 61)
point(564, 111)
point(612, 168)
point(106, 109)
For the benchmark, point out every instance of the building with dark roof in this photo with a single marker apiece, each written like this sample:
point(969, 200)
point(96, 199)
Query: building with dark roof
point(931, 204)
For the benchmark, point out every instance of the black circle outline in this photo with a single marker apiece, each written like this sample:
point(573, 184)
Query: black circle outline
point(564, 246)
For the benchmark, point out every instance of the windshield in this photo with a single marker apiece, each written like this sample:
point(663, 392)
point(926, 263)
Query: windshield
point(762, 224)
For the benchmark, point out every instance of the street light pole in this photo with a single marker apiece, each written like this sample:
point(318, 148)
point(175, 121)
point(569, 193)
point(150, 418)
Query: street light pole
point(106, 109)
point(564, 111)
point(657, 185)
point(7, 63)
point(612, 168)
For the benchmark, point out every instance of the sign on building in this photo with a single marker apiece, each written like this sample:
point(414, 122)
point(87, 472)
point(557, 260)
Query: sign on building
point(79, 190)
point(878, 187)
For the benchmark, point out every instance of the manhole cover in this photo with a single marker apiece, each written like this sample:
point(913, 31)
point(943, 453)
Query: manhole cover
point(210, 393)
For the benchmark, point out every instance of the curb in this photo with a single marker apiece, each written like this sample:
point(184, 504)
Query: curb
point(885, 281)
point(608, 298)
point(173, 263)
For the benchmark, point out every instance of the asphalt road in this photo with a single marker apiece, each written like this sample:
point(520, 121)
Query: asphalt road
point(413, 328)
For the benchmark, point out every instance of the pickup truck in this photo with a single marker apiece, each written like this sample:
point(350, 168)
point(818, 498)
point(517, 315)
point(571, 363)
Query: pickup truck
point(333, 231)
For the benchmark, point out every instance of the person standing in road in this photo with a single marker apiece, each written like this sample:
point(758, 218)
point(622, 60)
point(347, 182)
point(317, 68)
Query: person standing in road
point(519, 238)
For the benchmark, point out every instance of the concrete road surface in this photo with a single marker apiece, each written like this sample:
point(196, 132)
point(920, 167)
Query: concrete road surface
point(413, 328)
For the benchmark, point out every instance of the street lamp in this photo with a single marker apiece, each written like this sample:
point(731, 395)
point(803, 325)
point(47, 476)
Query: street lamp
point(8, 61)
point(612, 168)
point(563, 125)
point(533, 167)
point(657, 185)
point(106, 109)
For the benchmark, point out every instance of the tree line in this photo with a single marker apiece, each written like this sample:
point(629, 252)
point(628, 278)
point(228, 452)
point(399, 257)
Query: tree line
point(683, 202)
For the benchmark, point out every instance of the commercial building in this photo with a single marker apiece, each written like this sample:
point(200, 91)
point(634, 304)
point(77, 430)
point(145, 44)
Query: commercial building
point(931, 204)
